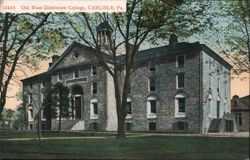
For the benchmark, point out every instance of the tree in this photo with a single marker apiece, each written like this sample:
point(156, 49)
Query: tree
point(19, 117)
point(144, 22)
point(24, 38)
point(235, 44)
point(7, 116)
point(57, 103)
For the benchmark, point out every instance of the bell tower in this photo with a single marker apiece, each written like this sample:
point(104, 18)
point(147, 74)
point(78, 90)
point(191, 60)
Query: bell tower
point(104, 35)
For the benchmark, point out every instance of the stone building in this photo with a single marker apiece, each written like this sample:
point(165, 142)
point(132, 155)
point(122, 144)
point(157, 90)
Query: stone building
point(240, 109)
point(178, 87)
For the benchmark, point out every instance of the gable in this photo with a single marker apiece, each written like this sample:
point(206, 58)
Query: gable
point(76, 54)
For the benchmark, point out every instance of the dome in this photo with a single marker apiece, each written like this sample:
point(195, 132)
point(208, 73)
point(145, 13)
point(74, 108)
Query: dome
point(104, 26)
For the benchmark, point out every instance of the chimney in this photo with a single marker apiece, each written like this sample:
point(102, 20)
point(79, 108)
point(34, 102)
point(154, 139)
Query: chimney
point(50, 64)
point(173, 40)
point(235, 97)
point(54, 58)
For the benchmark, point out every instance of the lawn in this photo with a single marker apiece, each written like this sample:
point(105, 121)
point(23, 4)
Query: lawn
point(150, 147)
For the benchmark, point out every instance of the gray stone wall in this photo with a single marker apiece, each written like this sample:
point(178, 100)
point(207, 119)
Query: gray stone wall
point(36, 91)
point(165, 75)
point(84, 67)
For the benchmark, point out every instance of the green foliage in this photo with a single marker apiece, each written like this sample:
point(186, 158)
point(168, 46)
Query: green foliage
point(7, 117)
point(57, 99)
point(20, 121)
point(235, 44)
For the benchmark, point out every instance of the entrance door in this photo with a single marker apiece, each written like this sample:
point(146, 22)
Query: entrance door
point(78, 104)
point(218, 109)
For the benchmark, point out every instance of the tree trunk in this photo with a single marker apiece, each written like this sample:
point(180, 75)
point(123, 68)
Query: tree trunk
point(60, 118)
point(121, 126)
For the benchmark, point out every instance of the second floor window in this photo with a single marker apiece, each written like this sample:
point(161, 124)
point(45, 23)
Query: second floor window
point(180, 80)
point(152, 106)
point(93, 70)
point(129, 107)
point(180, 61)
point(152, 66)
point(76, 73)
point(60, 76)
point(238, 118)
point(31, 85)
point(95, 108)
point(152, 85)
point(30, 98)
point(181, 104)
point(94, 88)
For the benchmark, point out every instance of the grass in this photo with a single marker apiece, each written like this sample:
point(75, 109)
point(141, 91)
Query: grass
point(6, 134)
point(152, 147)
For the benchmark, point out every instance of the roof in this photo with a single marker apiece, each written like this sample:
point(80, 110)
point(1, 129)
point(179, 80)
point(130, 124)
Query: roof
point(240, 103)
point(143, 54)
point(104, 26)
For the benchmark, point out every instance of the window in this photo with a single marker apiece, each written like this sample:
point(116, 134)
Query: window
point(209, 107)
point(152, 126)
point(42, 114)
point(180, 61)
point(151, 107)
point(129, 107)
point(181, 126)
point(30, 99)
point(238, 119)
point(180, 80)
point(95, 108)
point(210, 81)
point(218, 84)
point(93, 70)
point(60, 76)
point(94, 87)
point(31, 85)
point(42, 97)
point(229, 126)
point(181, 104)
point(152, 85)
point(128, 126)
point(76, 73)
point(152, 66)
point(93, 126)
point(43, 84)
point(31, 126)
point(129, 87)
point(30, 114)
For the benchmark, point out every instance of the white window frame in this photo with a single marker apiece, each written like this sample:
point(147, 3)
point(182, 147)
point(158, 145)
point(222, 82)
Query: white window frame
point(58, 76)
point(149, 114)
point(30, 118)
point(149, 84)
point(74, 75)
point(92, 87)
point(177, 64)
point(129, 116)
point(177, 113)
point(92, 115)
point(42, 97)
point(209, 106)
point(30, 99)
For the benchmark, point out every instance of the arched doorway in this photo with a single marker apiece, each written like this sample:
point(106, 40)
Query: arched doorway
point(78, 101)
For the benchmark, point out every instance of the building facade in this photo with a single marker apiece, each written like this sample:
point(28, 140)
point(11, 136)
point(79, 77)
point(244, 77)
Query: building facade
point(178, 87)
point(240, 109)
